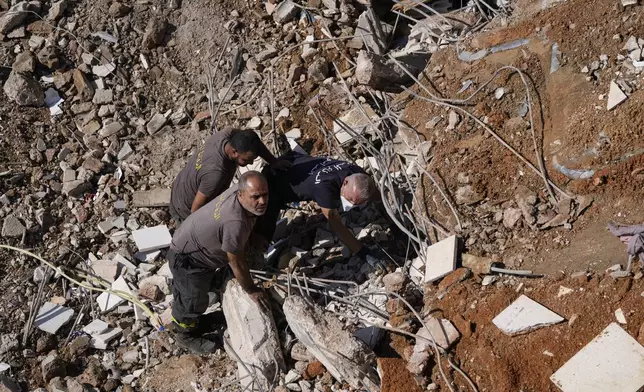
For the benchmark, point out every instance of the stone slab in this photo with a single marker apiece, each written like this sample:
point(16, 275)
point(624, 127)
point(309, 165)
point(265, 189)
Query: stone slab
point(152, 198)
point(51, 317)
point(152, 238)
point(441, 259)
point(525, 315)
point(612, 361)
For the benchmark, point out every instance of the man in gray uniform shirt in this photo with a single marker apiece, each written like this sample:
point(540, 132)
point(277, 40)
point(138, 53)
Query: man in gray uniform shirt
point(211, 238)
point(212, 167)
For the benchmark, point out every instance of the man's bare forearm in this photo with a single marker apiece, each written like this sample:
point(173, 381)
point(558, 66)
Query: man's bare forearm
point(345, 235)
point(241, 272)
point(266, 155)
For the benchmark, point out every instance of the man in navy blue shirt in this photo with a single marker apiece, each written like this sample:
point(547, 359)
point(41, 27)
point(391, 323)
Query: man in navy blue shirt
point(333, 184)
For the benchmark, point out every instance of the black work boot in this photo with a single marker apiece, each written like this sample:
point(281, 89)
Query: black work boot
point(191, 340)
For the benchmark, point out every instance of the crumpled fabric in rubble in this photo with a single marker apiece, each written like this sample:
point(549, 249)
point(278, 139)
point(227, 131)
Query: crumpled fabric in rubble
point(632, 236)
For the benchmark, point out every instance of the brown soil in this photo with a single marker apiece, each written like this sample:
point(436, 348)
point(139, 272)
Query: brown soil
point(396, 377)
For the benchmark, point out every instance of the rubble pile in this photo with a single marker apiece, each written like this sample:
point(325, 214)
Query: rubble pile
point(132, 87)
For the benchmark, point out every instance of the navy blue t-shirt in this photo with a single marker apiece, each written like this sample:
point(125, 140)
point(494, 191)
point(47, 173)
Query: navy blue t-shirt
point(319, 178)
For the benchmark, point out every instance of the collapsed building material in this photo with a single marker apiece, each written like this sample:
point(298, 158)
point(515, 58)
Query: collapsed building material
point(152, 238)
point(375, 71)
point(441, 259)
point(612, 361)
point(525, 315)
point(52, 316)
point(152, 198)
point(253, 336)
point(344, 356)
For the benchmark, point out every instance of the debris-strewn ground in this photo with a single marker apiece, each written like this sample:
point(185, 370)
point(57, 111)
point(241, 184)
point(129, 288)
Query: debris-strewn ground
point(143, 82)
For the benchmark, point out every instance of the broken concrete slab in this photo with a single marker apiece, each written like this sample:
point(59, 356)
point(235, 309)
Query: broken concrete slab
point(102, 340)
point(147, 257)
point(152, 198)
point(525, 315)
point(108, 301)
point(612, 361)
point(152, 238)
point(375, 71)
point(615, 96)
point(356, 120)
point(52, 316)
point(96, 327)
point(107, 270)
point(372, 32)
point(253, 335)
point(441, 331)
point(345, 357)
point(441, 259)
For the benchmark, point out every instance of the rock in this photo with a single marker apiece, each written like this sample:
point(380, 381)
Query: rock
point(374, 71)
point(119, 10)
point(24, 90)
point(94, 374)
point(52, 366)
point(440, 330)
point(151, 291)
point(57, 385)
point(156, 123)
point(12, 227)
point(372, 32)
point(16, 15)
point(103, 70)
point(8, 342)
point(526, 201)
point(57, 10)
point(74, 386)
point(76, 188)
point(102, 97)
point(125, 151)
point(8, 385)
point(453, 120)
point(299, 352)
point(25, 63)
point(93, 164)
point(253, 335)
point(615, 96)
point(511, 217)
point(131, 356)
point(254, 123)
point(285, 12)
point(111, 129)
point(49, 56)
point(394, 281)
point(154, 33)
point(269, 53)
point(319, 70)
point(46, 343)
point(79, 345)
point(345, 357)
point(468, 196)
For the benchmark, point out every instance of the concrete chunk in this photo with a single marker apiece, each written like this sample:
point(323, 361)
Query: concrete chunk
point(612, 361)
point(253, 335)
point(101, 341)
point(285, 12)
point(441, 259)
point(152, 238)
point(152, 198)
point(96, 327)
point(525, 315)
point(615, 96)
point(108, 301)
point(51, 317)
point(108, 270)
point(156, 123)
point(442, 331)
point(344, 356)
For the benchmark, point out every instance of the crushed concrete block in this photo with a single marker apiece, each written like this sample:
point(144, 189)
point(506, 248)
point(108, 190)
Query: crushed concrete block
point(356, 120)
point(253, 335)
point(101, 341)
point(107, 270)
point(612, 361)
point(156, 280)
point(125, 262)
point(372, 32)
point(51, 317)
point(152, 238)
point(345, 357)
point(107, 301)
point(615, 96)
point(96, 327)
point(375, 71)
point(12, 227)
point(156, 123)
point(441, 259)
point(620, 317)
point(152, 198)
point(525, 315)
point(443, 332)
point(285, 12)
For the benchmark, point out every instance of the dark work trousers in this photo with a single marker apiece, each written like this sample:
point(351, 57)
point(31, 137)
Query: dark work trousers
point(190, 286)
point(280, 193)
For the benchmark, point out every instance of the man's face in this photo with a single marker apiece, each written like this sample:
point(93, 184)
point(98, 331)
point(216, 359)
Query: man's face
point(243, 158)
point(255, 198)
point(350, 193)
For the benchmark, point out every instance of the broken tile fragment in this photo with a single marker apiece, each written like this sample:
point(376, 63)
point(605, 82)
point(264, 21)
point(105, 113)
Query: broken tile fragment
point(615, 96)
point(612, 361)
point(441, 259)
point(51, 317)
point(525, 315)
point(107, 301)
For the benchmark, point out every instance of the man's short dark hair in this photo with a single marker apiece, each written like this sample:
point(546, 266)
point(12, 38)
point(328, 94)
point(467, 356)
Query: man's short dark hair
point(245, 140)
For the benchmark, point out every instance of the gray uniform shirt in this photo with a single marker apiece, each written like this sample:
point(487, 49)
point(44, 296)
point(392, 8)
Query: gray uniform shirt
point(221, 226)
point(208, 171)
